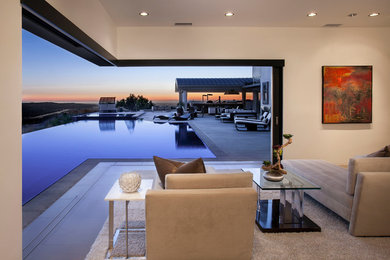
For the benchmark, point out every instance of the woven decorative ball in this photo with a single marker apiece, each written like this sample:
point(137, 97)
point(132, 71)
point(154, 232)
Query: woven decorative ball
point(130, 181)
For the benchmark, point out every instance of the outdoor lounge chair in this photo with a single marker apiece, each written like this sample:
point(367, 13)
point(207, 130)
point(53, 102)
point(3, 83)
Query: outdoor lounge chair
point(253, 124)
point(159, 119)
point(182, 118)
point(229, 117)
point(262, 117)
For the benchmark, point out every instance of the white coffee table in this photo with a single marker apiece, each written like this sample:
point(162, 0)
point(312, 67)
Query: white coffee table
point(116, 194)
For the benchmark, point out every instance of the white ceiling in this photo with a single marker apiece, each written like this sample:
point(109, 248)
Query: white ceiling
point(263, 13)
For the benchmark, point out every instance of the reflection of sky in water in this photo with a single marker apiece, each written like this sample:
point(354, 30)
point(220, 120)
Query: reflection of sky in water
point(51, 153)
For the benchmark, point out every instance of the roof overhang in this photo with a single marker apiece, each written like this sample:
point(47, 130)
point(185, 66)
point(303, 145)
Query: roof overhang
point(215, 85)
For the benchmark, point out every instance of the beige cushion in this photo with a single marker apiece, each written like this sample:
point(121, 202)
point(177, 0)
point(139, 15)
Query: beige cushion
point(165, 166)
point(208, 181)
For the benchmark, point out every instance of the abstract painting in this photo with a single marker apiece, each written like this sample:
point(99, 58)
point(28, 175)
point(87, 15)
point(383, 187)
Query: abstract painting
point(346, 94)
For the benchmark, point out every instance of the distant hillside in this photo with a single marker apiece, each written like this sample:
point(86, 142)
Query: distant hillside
point(36, 116)
point(37, 109)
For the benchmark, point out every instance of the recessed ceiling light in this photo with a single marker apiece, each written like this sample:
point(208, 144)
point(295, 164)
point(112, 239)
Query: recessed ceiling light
point(143, 14)
point(352, 14)
point(229, 14)
point(312, 14)
point(373, 14)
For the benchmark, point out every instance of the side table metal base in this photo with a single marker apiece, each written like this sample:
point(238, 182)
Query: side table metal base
point(268, 220)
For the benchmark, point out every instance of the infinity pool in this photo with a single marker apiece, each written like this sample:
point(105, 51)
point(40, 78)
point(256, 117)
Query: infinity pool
point(51, 153)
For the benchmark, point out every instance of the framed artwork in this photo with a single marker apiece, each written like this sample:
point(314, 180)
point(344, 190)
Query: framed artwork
point(265, 93)
point(346, 94)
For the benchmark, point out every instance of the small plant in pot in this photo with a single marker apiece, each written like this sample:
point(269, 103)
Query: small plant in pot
point(275, 171)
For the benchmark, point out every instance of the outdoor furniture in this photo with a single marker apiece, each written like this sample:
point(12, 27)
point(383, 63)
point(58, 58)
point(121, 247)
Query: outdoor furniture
point(184, 117)
point(253, 124)
point(262, 117)
point(201, 216)
point(358, 194)
point(159, 119)
point(229, 116)
point(116, 194)
point(284, 214)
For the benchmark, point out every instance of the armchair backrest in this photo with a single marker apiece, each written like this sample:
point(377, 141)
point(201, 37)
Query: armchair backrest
point(200, 223)
point(209, 181)
point(364, 164)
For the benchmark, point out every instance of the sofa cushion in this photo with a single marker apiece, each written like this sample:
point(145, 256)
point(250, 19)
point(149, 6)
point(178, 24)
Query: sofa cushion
point(165, 166)
point(331, 178)
point(384, 152)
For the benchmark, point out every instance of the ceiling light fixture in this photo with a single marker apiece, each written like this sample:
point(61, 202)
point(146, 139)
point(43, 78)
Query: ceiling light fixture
point(352, 14)
point(312, 14)
point(143, 14)
point(229, 14)
point(373, 14)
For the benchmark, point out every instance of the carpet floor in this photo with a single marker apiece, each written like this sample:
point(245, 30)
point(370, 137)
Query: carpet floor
point(333, 242)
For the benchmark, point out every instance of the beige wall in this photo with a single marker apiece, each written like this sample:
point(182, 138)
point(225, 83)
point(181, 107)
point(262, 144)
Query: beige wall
point(10, 130)
point(91, 18)
point(305, 50)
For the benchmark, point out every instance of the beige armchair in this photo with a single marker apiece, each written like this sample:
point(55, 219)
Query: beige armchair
point(369, 183)
point(201, 216)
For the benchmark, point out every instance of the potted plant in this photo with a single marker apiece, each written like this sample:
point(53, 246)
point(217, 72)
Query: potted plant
point(275, 172)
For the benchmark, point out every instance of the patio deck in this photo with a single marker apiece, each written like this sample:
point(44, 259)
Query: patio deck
point(227, 143)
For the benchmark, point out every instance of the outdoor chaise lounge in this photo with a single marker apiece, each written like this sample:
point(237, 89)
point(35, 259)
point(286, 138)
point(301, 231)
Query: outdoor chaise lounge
point(253, 124)
point(161, 118)
point(229, 116)
point(181, 119)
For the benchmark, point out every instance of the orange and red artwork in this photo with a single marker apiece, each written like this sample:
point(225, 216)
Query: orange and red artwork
point(346, 94)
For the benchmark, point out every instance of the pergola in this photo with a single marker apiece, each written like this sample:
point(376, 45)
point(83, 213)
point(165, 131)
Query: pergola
point(184, 86)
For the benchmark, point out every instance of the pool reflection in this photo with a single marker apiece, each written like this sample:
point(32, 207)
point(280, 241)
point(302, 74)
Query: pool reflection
point(186, 137)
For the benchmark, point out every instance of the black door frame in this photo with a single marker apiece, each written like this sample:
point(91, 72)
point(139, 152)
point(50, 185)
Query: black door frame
point(41, 19)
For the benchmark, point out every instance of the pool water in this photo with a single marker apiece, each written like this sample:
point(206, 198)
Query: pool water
point(51, 153)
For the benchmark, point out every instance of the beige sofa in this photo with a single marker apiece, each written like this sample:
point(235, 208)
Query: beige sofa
point(201, 216)
point(359, 194)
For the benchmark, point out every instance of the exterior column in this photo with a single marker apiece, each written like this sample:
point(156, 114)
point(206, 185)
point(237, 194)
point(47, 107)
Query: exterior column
point(256, 105)
point(180, 97)
point(184, 98)
point(243, 93)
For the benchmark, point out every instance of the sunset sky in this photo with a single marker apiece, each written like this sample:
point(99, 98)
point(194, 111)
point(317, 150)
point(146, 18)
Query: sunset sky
point(53, 74)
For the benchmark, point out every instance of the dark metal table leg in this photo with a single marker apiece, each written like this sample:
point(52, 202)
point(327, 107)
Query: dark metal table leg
point(127, 229)
point(110, 225)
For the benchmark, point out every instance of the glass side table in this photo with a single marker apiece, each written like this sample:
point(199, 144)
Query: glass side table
point(284, 214)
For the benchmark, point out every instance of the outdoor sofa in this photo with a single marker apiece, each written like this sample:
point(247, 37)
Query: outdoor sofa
point(359, 194)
